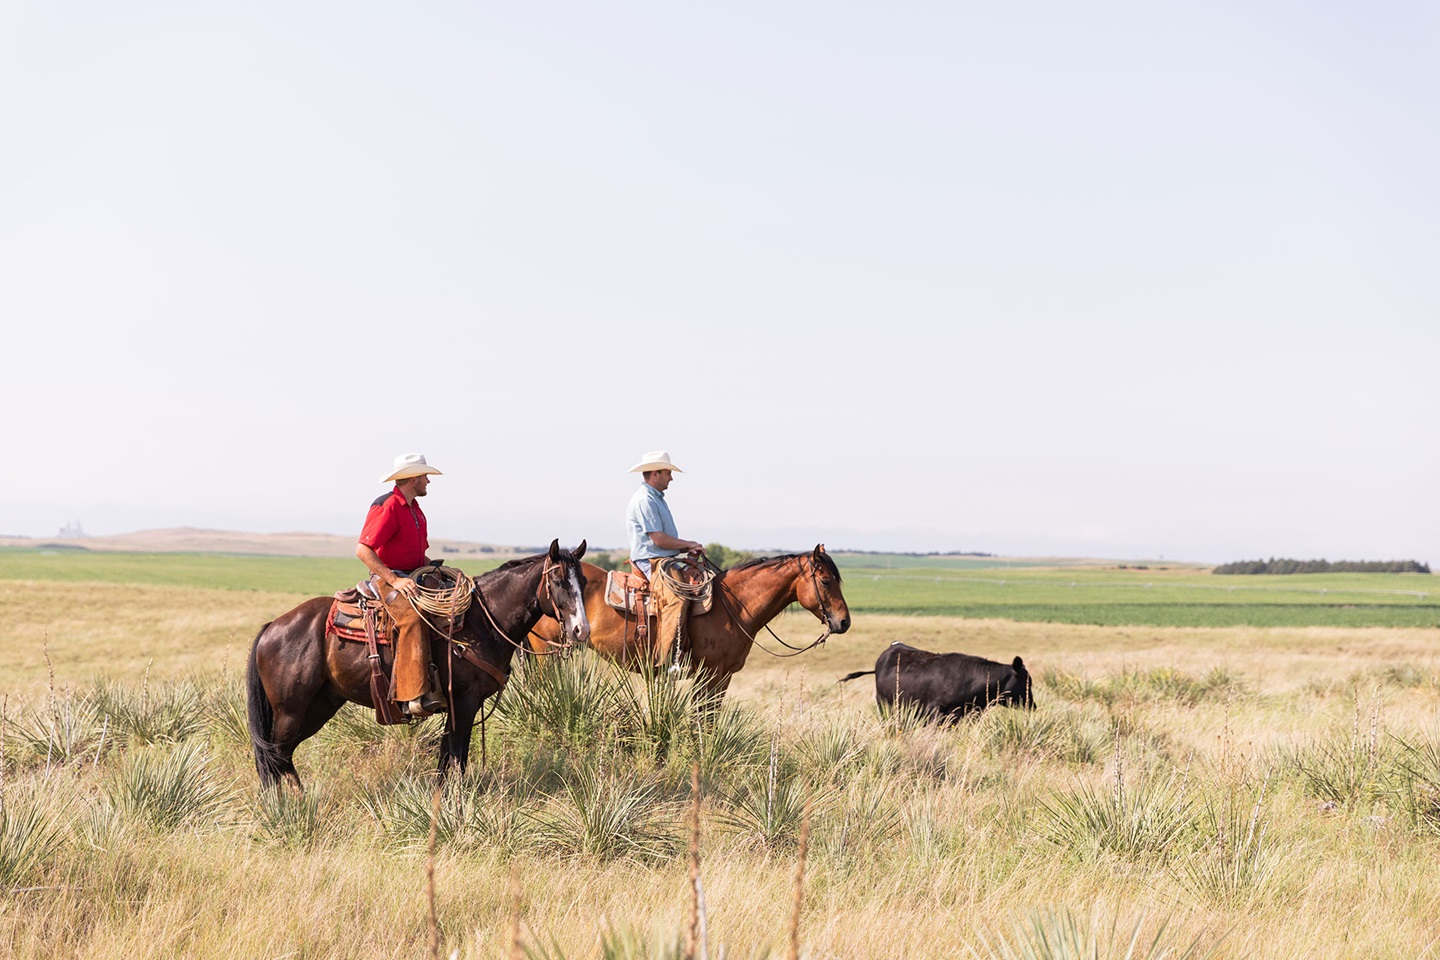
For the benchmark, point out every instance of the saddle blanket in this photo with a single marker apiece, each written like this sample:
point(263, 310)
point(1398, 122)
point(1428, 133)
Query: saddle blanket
point(347, 619)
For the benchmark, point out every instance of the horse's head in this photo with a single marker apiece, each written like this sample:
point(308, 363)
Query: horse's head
point(818, 590)
point(562, 593)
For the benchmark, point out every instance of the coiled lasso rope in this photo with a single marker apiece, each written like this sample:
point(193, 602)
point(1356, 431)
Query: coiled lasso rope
point(444, 603)
point(687, 589)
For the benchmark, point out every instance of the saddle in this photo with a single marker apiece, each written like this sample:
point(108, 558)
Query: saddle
point(359, 615)
point(627, 592)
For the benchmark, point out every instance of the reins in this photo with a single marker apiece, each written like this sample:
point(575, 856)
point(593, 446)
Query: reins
point(564, 648)
point(819, 597)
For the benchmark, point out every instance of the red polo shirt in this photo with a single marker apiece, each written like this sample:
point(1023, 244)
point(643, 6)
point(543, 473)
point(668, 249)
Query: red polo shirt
point(397, 532)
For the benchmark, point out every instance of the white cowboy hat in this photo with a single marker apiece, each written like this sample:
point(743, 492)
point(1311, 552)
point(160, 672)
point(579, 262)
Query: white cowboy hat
point(655, 460)
point(409, 465)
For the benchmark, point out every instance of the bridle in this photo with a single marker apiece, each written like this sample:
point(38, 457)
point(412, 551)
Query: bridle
point(545, 593)
point(824, 614)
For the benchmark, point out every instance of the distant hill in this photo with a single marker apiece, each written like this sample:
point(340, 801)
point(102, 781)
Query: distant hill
point(194, 540)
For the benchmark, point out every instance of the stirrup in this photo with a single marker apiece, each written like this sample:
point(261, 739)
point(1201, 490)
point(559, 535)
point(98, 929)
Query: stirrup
point(422, 706)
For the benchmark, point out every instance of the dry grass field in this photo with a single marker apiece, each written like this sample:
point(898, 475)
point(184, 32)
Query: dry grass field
point(1230, 792)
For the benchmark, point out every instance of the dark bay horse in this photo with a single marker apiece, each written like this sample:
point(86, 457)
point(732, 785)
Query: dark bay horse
point(298, 675)
point(746, 598)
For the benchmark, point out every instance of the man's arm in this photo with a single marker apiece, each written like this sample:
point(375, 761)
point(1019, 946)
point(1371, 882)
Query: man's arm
point(367, 555)
point(664, 541)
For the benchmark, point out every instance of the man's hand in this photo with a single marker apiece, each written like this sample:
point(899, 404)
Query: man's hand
point(406, 587)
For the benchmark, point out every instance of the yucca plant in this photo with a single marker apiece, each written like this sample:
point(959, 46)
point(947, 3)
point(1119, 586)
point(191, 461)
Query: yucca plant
point(1150, 817)
point(285, 818)
point(833, 752)
point(1236, 859)
point(607, 817)
point(225, 716)
point(570, 701)
point(659, 712)
point(1418, 775)
point(30, 835)
point(726, 740)
point(61, 731)
point(1057, 934)
point(469, 817)
point(623, 943)
point(160, 713)
point(1347, 767)
point(768, 804)
point(170, 788)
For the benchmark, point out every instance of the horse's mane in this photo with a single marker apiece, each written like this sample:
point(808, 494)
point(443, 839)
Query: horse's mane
point(825, 559)
point(520, 562)
point(565, 557)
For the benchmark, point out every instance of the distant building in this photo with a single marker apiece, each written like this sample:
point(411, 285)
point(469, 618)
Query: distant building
point(71, 531)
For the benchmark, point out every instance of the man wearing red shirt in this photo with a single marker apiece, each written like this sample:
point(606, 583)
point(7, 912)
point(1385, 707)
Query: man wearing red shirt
point(393, 545)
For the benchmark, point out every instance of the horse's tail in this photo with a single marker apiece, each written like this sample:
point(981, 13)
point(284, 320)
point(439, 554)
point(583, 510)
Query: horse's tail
point(268, 761)
point(857, 673)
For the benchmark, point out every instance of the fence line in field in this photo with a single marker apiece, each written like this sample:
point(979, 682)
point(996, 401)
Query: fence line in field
point(1076, 584)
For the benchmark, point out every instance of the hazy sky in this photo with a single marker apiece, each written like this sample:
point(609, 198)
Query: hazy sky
point(1118, 279)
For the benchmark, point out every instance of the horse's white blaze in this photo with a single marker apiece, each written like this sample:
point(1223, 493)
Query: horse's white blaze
point(579, 624)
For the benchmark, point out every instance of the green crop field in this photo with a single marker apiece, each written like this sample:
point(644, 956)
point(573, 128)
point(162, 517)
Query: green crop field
point(308, 575)
point(1177, 598)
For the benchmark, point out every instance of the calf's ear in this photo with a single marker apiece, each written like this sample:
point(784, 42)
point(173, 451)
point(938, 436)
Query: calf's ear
point(1018, 664)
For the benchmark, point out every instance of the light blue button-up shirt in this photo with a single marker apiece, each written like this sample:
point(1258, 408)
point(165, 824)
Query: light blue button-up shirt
point(648, 511)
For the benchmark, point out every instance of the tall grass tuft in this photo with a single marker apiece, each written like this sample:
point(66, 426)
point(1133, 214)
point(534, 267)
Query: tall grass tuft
point(1047, 733)
point(1131, 685)
point(867, 815)
point(170, 788)
point(1056, 934)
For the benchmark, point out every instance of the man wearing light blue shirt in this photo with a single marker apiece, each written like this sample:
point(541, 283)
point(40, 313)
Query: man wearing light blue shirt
point(653, 539)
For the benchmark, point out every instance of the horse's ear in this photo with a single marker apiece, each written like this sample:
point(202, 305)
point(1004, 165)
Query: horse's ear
point(580, 550)
point(555, 550)
point(819, 549)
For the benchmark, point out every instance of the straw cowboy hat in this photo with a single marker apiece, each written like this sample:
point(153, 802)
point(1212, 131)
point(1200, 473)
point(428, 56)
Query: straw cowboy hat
point(655, 460)
point(410, 465)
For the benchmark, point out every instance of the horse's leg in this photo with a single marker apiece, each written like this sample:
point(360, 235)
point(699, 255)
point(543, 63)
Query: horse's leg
point(455, 745)
point(297, 722)
point(711, 688)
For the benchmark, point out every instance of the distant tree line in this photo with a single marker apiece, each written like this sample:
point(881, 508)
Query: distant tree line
point(722, 556)
point(1274, 565)
point(917, 553)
